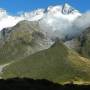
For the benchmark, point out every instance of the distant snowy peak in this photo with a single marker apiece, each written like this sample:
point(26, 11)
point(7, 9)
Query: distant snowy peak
point(34, 15)
point(65, 11)
point(59, 11)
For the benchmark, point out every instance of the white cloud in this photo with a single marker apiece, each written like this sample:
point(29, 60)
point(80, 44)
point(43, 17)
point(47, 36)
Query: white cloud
point(7, 20)
point(62, 27)
point(83, 21)
point(55, 24)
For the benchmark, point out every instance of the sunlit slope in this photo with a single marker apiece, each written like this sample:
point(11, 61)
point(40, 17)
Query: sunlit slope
point(58, 64)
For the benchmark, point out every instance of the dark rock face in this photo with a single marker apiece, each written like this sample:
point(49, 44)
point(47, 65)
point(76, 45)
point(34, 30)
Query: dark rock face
point(30, 84)
point(81, 43)
point(85, 43)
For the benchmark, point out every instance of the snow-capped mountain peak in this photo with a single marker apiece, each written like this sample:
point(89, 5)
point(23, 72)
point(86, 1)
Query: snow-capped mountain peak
point(63, 11)
point(56, 11)
point(34, 15)
point(59, 11)
point(58, 20)
point(67, 9)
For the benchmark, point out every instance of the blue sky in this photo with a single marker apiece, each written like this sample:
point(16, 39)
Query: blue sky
point(14, 6)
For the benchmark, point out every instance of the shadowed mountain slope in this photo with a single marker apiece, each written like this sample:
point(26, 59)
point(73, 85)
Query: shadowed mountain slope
point(81, 44)
point(21, 40)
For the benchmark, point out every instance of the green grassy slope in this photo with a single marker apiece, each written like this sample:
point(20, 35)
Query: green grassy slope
point(58, 64)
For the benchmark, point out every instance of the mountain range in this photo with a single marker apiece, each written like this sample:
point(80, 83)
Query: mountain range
point(50, 44)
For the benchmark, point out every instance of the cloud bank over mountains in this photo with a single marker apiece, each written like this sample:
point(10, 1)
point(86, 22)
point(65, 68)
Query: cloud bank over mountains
point(58, 21)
